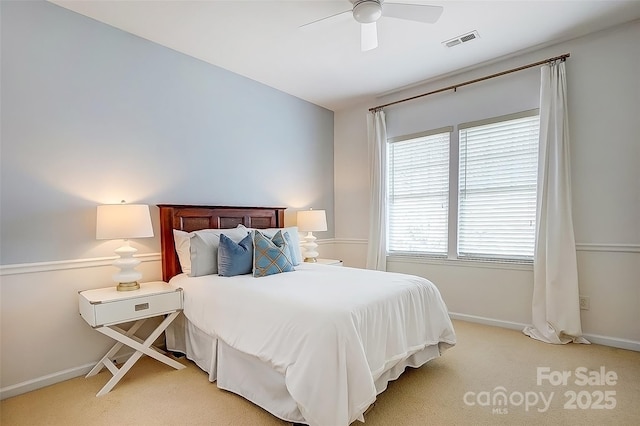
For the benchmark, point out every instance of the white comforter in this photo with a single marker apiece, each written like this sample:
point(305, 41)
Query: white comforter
point(331, 331)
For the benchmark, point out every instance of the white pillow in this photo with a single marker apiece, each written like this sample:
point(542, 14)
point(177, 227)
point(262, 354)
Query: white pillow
point(296, 253)
point(198, 250)
point(182, 241)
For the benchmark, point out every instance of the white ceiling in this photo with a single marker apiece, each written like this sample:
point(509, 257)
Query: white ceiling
point(261, 39)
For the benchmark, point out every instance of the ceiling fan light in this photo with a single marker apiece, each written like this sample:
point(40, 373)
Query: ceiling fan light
point(367, 11)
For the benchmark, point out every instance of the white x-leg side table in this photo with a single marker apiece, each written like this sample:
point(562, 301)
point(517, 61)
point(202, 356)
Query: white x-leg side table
point(105, 308)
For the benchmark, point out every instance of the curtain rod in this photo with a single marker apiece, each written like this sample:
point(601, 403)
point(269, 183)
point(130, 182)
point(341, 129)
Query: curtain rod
point(455, 86)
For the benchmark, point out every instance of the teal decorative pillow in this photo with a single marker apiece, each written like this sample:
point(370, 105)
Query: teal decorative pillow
point(292, 252)
point(270, 256)
point(291, 235)
point(235, 258)
point(293, 241)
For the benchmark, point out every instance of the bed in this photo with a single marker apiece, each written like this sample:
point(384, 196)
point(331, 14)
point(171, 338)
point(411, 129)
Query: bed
point(314, 345)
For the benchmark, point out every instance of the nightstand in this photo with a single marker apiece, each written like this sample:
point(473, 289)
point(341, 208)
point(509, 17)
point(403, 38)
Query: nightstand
point(105, 308)
point(333, 262)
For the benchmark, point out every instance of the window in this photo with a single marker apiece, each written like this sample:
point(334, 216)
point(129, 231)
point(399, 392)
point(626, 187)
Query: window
point(418, 192)
point(497, 188)
point(494, 207)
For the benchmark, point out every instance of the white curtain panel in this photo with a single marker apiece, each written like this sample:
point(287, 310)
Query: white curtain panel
point(556, 306)
point(377, 135)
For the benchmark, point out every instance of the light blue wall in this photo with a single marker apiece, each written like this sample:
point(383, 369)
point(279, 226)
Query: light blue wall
point(92, 115)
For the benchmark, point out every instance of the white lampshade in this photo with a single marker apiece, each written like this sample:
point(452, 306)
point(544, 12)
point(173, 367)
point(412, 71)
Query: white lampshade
point(312, 220)
point(123, 221)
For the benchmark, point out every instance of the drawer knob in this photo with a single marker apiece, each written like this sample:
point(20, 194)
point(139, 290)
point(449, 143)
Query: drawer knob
point(142, 307)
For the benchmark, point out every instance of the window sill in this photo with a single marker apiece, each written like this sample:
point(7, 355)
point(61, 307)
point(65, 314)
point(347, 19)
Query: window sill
point(433, 260)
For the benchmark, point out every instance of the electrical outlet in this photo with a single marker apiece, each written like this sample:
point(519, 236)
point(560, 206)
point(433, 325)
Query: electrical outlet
point(584, 303)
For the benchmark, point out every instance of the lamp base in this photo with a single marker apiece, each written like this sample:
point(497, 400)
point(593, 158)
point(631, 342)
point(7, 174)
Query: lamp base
point(128, 286)
point(127, 278)
point(310, 247)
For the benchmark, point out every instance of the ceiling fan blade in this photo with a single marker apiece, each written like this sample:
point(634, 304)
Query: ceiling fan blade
point(368, 36)
point(329, 20)
point(413, 12)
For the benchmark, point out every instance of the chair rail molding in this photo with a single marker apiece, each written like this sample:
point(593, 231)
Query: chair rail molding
point(608, 247)
point(29, 268)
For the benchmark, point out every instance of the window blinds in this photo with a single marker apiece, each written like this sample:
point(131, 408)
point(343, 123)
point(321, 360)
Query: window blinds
point(497, 187)
point(418, 187)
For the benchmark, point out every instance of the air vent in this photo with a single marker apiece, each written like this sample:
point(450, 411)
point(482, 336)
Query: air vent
point(465, 38)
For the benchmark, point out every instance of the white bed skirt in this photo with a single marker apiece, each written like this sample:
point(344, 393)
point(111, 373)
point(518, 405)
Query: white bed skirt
point(254, 380)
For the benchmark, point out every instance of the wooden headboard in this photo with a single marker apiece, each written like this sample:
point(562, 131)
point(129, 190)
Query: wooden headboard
point(193, 218)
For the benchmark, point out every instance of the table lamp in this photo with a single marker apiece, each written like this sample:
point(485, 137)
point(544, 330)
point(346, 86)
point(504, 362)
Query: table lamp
point(124, 221)
point(310, 221)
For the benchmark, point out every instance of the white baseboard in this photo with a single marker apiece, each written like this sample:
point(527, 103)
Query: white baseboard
point(488, 321)
point(614, 342)
point(52, 379)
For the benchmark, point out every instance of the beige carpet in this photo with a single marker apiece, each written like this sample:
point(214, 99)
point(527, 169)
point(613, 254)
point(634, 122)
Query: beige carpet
point(484, 359)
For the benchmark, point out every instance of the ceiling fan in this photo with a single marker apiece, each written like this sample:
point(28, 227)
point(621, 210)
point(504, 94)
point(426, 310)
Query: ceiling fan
point(367, 12)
